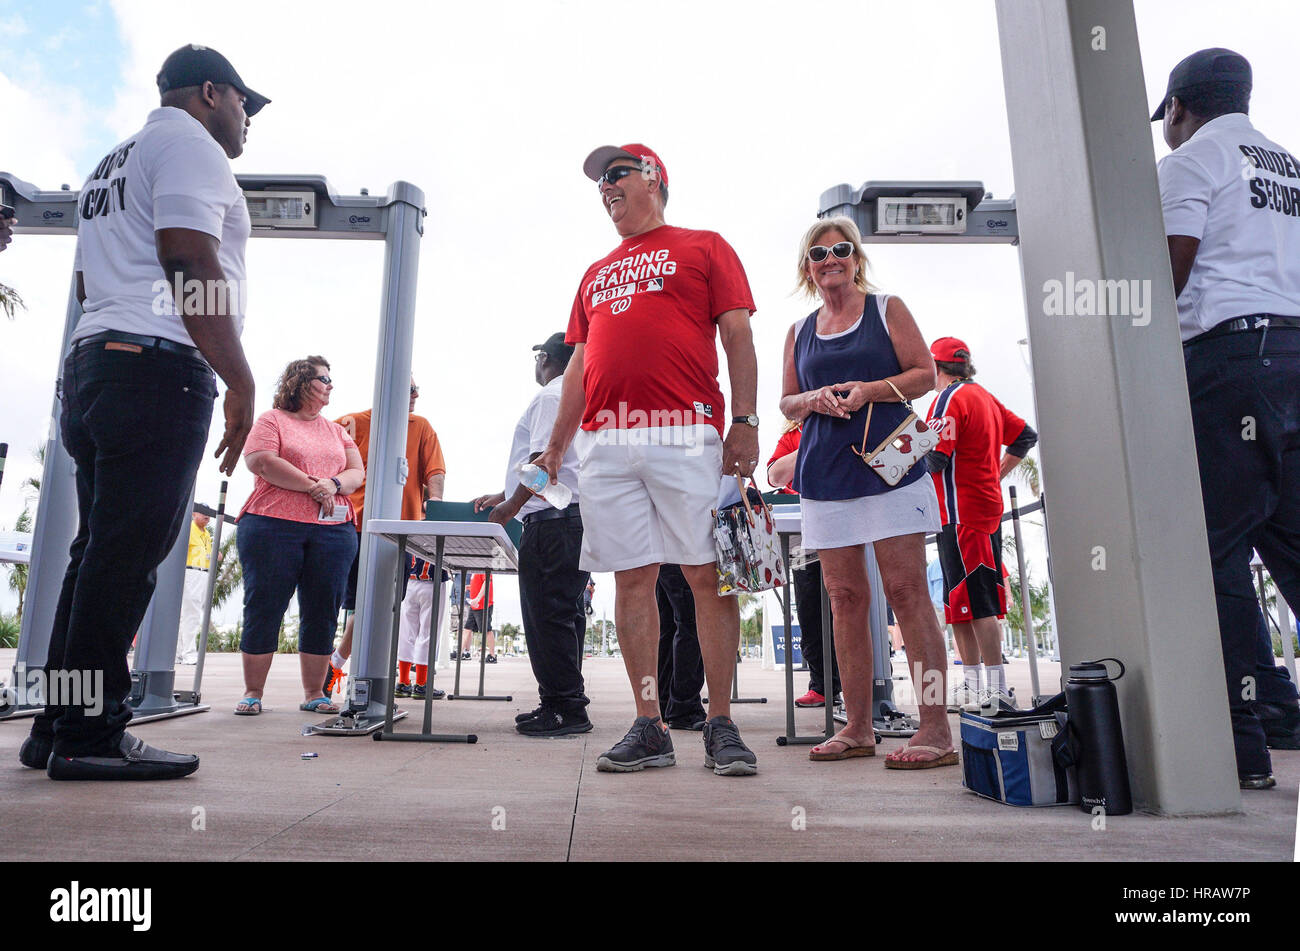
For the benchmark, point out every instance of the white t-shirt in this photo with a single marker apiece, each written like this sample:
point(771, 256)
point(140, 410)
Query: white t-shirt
point(170, 174)
point(1239, 193)
point(532, 433)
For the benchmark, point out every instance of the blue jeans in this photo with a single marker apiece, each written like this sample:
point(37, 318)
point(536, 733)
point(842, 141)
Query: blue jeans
point(135, 424)
point(279, 556)
point(1246, 419)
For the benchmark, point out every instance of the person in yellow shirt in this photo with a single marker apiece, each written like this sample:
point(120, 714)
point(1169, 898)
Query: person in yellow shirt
point(196, 589)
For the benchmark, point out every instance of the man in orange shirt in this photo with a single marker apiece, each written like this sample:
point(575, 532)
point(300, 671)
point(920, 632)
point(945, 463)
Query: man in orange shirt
point(428, 472)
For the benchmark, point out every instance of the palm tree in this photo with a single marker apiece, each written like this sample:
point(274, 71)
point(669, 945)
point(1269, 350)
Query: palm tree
point(230, 572)
point(1026, 473)
point(10, 301)
point(751, 623)
point(17, 572)
point(1038, 607)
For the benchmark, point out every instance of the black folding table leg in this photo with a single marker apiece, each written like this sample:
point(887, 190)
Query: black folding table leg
point(482, 662)
point(425, 736)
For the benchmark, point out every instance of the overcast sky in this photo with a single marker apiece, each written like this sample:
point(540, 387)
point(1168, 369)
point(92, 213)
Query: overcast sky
point(754, 107)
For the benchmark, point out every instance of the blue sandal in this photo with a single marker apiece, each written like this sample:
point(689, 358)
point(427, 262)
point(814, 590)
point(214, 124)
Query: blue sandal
point(249, 703)
point(319, 705)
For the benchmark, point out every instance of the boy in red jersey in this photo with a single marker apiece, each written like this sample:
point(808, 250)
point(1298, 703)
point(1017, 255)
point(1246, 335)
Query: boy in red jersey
point(968, 467)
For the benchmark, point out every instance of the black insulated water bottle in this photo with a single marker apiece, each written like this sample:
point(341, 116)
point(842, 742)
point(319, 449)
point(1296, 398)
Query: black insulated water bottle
point(1102, 770)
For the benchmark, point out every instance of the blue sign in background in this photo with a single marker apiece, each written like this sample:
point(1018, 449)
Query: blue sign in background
point(778, 645)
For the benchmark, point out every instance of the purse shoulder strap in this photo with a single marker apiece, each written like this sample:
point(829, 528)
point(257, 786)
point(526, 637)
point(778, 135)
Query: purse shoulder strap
point(870, 406)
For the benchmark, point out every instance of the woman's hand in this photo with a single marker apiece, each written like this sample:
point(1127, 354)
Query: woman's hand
point(322, 490)
point(855, 394)
point(825, 401)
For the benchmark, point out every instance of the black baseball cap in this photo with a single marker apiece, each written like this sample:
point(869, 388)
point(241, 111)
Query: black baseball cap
point(556, 348)
point(193, 65)
point(1204, 67)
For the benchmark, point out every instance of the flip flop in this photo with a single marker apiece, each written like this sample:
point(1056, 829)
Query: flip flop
point(248, 703)
point(319, 705)
point(849, 752)
point(942, 757)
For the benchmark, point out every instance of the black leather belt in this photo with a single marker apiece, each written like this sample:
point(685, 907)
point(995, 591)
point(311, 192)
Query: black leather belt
point(1243, 324)
point(545, 515)
point(148, 343)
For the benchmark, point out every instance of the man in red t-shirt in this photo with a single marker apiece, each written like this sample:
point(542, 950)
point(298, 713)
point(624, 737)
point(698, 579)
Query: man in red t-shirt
point(643, 385)
point(968, 467)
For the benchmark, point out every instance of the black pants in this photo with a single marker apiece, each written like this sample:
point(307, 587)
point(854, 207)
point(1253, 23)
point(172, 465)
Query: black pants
point(1246, 418)
point(550, 596)
point(808, 605)
point(135, 424)
point(681, 668)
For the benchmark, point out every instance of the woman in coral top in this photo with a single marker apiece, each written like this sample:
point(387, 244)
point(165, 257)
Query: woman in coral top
point(296, 531)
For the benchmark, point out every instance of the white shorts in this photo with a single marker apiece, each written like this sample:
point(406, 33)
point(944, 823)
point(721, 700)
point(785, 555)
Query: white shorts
point(906, 511)
point(648, 496)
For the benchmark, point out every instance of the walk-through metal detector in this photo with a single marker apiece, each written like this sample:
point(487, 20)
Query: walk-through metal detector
point(1127, 543)
point(913, 212)
point(280, 206)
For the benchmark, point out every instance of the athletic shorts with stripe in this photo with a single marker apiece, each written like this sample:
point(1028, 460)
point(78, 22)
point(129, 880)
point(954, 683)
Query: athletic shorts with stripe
point(973, 579)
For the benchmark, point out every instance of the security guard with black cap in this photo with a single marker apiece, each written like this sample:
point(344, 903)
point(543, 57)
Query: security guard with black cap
point(1231, 201)
point(161, 214)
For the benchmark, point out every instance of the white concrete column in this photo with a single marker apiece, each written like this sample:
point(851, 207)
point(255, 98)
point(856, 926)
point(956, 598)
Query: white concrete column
point(1128, 541)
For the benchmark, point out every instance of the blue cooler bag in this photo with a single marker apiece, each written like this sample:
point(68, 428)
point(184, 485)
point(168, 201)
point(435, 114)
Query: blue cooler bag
point(1021, 758)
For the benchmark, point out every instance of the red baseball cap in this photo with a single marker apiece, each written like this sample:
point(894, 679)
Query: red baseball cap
point(600, 158)
point(945, 349)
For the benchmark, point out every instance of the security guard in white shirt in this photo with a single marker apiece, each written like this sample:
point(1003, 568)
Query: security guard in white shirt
point(1231, 200)
point(161, 230)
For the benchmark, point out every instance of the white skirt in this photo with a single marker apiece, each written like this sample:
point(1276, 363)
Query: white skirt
point(904, 511)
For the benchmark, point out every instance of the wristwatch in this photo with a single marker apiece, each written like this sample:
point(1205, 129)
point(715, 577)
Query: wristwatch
point(338, 486)
point(750, 420)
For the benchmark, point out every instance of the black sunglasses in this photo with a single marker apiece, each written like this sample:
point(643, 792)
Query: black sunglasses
point(415, 391)
point(324, 379)
point(616, 173)
point(817, 253)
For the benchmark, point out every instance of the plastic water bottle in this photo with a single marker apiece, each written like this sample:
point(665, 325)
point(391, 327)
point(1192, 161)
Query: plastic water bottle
point(1094, 722)
point(538, 481)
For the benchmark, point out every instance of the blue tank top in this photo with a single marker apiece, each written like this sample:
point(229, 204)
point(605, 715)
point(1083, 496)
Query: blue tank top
point(827, 469)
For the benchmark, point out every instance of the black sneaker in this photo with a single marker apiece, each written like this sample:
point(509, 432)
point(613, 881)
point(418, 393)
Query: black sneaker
point(530, 715)
point(35, 752)
point(1256, 780)
point(553, 722)
point(1281, 725)
point(724, 752)
point(688, 723)
point(646, 744)
point(491, 658)
point(137, 760)
point(401, 690)
point(422, 692)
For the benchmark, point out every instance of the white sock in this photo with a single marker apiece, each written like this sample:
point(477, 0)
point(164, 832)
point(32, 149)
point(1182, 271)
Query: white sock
point(338, 660)
point(997, 677)
point(973, 677)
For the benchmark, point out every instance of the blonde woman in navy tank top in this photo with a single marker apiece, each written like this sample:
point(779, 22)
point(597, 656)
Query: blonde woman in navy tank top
point(836, 362)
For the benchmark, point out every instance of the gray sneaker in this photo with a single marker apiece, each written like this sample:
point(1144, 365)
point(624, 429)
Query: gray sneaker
point(646, 744)
point(724, 752)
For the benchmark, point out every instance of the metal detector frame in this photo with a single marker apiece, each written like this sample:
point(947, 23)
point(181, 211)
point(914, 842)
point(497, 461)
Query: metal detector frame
point(396, 218)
